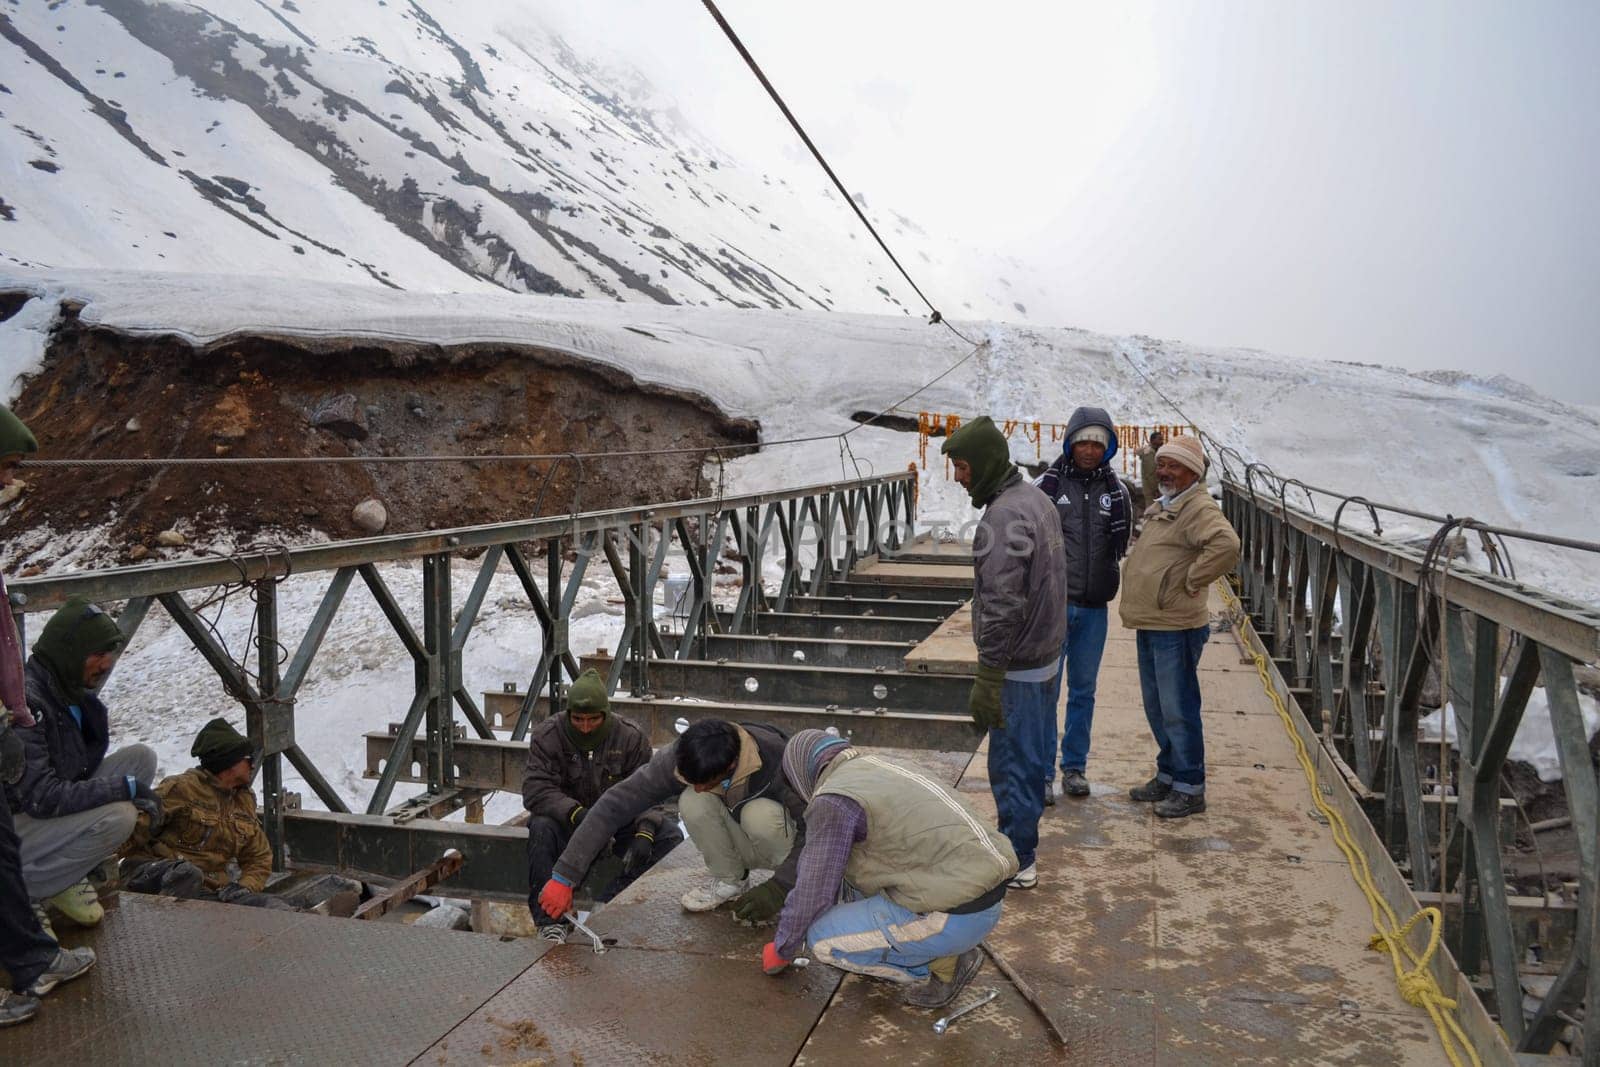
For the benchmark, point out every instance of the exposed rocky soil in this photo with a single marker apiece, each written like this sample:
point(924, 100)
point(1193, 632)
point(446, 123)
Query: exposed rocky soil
point(103, 395)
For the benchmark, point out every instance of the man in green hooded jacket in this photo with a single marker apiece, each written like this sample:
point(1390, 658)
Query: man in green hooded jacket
point(1019, 619)
point(76, 803)
point(573, 758)
point(29, 955)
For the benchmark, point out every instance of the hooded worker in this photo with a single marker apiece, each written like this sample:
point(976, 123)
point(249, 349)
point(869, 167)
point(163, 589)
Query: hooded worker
point(573, 758)
point(76, 802)
point(28, 953)
point(931, 875)
point(1094, 509)
point(1019, 620)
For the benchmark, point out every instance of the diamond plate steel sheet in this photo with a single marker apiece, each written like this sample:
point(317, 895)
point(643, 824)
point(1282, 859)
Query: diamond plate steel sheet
point(1236, 927)
point(633, 1006)
point(1268, 813)
point(195, 982)
point(1090, 921)
point(1202, 1032)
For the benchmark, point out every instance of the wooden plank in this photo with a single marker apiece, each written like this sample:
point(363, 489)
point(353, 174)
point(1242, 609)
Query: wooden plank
point(949, 649)
point(957, 572)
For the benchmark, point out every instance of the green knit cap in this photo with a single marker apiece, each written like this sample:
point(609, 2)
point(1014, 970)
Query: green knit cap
point(588, 694)
point(219, 746)
point(75, 632)
point(983, 447)
point(15, 437)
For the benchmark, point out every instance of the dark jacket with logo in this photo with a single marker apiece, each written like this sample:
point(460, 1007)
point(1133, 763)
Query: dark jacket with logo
point(61, 754)
point(1095, 509)
point(657, 782)
point(560, 777)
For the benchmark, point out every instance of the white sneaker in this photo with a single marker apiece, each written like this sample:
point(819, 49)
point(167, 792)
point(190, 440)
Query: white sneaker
point(712, 895)
point(1026, 878)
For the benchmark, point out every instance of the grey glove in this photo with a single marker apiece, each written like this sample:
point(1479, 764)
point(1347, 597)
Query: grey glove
point(13, 761)
point(148, 801)
point(231, 892)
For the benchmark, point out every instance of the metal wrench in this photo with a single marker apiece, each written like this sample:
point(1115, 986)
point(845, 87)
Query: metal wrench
point(599, 945)
point(944, 1024)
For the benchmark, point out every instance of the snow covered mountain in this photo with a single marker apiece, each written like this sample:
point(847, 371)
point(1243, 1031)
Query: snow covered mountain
point(421, 144)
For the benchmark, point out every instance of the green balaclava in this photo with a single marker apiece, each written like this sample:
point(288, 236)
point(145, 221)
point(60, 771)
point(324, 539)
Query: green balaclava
point(219, 746)
point(75, 632)
point(15, 437)
point(588, 694)
point(981, 444)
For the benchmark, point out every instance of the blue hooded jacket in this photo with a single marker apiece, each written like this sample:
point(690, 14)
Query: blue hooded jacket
point(1095, 510)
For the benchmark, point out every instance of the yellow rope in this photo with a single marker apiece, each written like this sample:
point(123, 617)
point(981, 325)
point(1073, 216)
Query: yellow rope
point(1417, 983)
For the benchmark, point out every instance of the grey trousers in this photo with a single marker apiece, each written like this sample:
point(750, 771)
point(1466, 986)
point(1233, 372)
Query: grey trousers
point(60, 852)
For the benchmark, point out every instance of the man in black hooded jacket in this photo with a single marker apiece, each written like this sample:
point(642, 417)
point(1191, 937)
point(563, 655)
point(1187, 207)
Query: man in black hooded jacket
point(1095, 513)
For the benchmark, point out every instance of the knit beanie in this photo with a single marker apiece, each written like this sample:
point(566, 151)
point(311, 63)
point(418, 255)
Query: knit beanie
point(587, 694)
point(15, 437)
point(806, 754)
point(1185, 450)
point(75, 632)
point(219, 746)
point(1091, 433)
point(982, 446)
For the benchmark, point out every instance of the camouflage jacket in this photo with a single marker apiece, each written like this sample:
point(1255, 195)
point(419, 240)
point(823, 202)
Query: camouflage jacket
point(209, 826)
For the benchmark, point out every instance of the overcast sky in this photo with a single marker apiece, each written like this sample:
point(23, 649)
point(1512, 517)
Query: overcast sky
point(1409, 183)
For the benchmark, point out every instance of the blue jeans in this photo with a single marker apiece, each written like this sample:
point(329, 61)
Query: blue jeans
point(1019, 759)
point(878, 937)
point(1080, 662)
point(1169, 675)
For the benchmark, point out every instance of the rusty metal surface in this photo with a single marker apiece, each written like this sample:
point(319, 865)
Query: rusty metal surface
point(638, 1006)
point(196, 982)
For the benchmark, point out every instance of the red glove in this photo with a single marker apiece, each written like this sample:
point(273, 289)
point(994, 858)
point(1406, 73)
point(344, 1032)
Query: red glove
point(771, 962)
point(555, 898)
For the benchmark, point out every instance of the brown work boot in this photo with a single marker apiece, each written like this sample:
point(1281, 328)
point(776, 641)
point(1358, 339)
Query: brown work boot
point(935, 992)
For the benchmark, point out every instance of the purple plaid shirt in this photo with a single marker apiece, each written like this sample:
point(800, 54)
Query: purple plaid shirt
point(834, 824)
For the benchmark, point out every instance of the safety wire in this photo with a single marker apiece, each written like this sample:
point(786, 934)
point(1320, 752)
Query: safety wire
point(1417, 983)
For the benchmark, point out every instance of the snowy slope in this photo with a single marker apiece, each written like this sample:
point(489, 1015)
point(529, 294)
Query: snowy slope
point(424, 144)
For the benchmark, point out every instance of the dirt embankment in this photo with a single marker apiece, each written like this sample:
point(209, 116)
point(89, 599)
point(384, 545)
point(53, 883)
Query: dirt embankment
point(103, 395)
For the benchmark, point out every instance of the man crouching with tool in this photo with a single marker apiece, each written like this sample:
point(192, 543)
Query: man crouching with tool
point(921, 877)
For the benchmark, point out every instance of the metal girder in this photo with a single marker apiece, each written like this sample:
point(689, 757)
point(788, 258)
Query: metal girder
point(494, 858)
point(870, 589)
point(899, 609)
point(844, 627)
point(1564, 625)
point(124, 583)
point(812, 686)
point(814, 652)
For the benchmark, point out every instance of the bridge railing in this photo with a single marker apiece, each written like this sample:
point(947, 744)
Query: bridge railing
point(1369, 636)
point(809, 535)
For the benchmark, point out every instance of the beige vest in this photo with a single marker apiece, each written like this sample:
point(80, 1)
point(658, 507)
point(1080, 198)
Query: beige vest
point(925, 849)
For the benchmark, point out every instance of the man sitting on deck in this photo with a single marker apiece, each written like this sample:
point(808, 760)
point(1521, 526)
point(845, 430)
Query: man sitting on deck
point(740, 811)
point(75, 803)
point(928, 877)
point(573, 759)
point(210, 828)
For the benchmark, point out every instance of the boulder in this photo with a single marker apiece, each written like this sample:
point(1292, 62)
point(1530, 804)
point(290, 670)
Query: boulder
point(342, 415)
point(370, 515)
point(171, 539)
point(137, 553)
point(12, 491)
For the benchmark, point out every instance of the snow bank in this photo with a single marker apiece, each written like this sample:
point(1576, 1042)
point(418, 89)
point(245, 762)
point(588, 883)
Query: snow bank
point(1535, 742)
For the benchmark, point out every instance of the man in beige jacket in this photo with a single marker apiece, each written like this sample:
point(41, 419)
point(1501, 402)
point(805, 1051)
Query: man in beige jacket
point(1186, 545)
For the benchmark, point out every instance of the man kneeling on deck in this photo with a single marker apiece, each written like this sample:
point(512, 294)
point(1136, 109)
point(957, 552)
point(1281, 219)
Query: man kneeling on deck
point(922, 878)
point(573, 759)
point(210, 827)
point(739, 810)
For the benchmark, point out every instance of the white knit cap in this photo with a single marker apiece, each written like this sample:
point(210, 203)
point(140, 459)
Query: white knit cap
point(1092, 433)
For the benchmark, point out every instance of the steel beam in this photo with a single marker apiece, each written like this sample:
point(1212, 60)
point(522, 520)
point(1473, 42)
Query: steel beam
point(898, 609)
point(494, 858)
point(858, 588)
point(842, 627)
point(814, 652)
point(809, 686)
